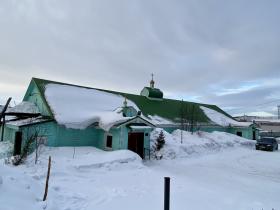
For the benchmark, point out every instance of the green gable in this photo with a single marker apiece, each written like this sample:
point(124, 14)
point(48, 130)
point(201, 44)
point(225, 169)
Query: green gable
point(35, 94)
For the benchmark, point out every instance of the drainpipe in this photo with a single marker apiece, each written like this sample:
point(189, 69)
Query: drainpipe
point(121, 138)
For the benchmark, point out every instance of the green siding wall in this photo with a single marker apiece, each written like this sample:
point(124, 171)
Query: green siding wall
point(120, 138)
point(75, 137)
point(9, 134)
point(46, 130)
point(246, 132)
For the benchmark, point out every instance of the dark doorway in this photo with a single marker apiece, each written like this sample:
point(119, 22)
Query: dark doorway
point(254, 135)
point(239, 133)
point(136, 143)
point(17, 144)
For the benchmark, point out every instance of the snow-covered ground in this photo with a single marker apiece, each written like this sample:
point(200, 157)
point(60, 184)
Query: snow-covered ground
point(6, 149)
point(228, 174)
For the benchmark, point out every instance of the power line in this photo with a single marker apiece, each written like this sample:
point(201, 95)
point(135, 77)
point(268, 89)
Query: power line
point(268, 102)
point(258, 105)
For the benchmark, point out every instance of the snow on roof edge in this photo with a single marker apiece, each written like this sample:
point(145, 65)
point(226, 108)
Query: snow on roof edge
point(222, 119)
point(78, 107)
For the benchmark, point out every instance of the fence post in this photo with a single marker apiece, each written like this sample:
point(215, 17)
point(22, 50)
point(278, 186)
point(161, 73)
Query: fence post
point(47, 180)
point(166, 193)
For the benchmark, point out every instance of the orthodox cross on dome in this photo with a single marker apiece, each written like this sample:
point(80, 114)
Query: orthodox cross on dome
point(125, 102)
point(152, 82)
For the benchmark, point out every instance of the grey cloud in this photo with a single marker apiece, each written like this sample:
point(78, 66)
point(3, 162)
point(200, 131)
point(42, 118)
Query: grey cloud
point(195, 48)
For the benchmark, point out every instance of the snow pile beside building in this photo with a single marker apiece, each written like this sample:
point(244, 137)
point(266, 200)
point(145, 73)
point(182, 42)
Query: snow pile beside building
point(98, 158)
point(197, 143)
point(22, 187)
point(77, 107)
point(6, 149)
point(84, 158)
point(222, 119)
point(24, 107)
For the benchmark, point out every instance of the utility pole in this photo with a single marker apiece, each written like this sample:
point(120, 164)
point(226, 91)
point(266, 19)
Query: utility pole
point(2, 116)
point(278, 112)
point(182, 120)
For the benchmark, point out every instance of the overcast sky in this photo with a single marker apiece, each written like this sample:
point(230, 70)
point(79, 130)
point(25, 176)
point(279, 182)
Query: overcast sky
point(212, 51)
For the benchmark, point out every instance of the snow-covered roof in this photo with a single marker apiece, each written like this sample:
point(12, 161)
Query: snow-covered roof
point(222, 119)
point(163, 112)
point(78, 107)
point(157, 120)
point(28, 121)
point(24, 107)
point(135, 127)
point(268, 120)
point(255, 114)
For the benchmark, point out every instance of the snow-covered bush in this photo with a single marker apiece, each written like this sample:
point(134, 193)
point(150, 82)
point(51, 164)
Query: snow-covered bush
point(160, 141)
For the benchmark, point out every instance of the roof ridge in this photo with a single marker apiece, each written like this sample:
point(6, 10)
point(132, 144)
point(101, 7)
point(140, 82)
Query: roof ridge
point(117, 92)
point(167, 108)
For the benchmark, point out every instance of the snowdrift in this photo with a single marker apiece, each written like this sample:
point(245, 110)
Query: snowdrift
point(84, 158)
point(21, 191)
point(197, 143)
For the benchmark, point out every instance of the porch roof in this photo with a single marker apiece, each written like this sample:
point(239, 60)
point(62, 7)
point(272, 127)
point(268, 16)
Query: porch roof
point(137, 120)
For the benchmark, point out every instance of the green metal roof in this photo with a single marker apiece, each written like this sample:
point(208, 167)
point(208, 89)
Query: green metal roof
point(166, 108)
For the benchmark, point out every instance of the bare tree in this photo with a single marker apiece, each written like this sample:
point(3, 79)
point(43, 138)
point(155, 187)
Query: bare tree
point(34, 137)
point(189, 117)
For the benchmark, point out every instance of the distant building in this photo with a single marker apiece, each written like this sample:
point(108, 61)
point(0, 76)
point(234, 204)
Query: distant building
point(61, 114)
point(269, 126)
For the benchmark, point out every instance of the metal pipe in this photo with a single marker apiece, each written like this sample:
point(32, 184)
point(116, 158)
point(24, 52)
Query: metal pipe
point(166, 193)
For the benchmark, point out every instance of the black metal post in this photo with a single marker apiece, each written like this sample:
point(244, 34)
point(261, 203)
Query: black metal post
point(2, 115)
point(166, 193)
point(3, 127)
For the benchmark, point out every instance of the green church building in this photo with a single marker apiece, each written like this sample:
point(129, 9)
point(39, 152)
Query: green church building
point(60, 114)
